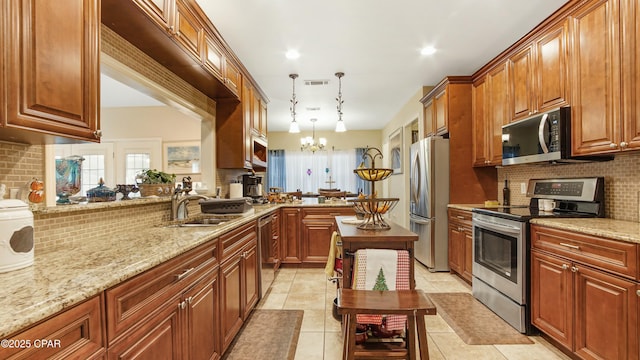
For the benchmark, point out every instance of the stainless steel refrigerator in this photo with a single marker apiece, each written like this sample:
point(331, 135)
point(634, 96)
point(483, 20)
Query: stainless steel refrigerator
point(429, 196)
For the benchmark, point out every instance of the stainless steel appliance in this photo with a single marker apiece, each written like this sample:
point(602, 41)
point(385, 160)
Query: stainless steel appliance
point(501, 244)
point(540, 138)
point(265, 255)
point(429, 196)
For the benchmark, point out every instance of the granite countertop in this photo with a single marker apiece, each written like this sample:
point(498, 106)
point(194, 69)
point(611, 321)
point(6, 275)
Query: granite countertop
point(613, 229)
point(60, 279)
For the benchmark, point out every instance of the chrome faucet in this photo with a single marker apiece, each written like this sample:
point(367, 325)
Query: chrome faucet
point(180, 202)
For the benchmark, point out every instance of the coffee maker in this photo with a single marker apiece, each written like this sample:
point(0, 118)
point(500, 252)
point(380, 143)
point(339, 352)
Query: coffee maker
point(252, 187)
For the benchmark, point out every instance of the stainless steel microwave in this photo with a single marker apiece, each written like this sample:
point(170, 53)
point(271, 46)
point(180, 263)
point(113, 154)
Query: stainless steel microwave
point(542, 137)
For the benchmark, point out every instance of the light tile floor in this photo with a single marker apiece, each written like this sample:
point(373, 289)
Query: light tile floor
point(321, 338)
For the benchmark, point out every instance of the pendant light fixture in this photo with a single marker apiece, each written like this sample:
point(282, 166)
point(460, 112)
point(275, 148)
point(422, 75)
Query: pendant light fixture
point(293, 127)
point(340, 124)
point(309, 142)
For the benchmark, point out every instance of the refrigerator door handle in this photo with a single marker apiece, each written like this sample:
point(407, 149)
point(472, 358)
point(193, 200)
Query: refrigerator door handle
point(418, 220)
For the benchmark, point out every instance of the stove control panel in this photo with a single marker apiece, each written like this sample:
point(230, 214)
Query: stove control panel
point(577, 189)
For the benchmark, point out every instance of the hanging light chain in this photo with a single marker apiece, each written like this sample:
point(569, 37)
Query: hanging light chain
point(339, 98)
point(293, 97)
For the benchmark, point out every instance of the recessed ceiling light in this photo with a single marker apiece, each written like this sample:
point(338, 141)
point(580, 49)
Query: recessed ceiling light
point(428, 50)
point(292, 54)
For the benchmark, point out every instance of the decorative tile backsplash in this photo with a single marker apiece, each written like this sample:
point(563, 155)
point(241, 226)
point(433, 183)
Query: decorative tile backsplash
point(621, 180)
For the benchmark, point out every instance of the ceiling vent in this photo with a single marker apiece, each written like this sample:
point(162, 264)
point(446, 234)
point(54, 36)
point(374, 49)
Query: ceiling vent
point(316, 82)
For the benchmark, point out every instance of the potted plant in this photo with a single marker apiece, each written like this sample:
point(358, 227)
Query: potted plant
point(155, 183)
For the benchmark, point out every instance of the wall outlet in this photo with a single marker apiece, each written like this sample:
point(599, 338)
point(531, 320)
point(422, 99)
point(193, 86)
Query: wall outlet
point(523, 188)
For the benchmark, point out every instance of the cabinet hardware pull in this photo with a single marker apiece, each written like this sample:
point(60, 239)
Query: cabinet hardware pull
point(565, 266)
point(461, 217)
point(182, 305)
point(574, 269)
point(571, 246)
point(97, 134)
point(189, 299)
point(613, 145)
point(184, 273)
point(623, 144)
point(638, 292)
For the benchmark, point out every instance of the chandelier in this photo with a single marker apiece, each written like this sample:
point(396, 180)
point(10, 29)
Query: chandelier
point(309, 143)
point(340, 124)
point(293, 127)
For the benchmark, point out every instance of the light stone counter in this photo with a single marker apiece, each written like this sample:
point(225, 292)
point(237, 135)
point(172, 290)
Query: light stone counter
point(465, 207)
point(614, 229)
point(60, 279)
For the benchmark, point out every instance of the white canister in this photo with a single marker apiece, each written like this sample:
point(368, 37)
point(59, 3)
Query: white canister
point(16, 235)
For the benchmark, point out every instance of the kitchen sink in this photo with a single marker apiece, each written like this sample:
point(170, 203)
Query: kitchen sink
point(206, 220)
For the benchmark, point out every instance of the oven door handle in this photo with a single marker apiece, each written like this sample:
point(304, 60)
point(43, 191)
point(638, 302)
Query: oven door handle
point(496, 227)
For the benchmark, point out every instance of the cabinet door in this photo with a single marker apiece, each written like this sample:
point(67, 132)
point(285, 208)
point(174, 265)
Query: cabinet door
point(232, 76)
point(429, 125)
point(551, 297)
point(54, 94)
point(551, 68)
point(456, 248)
point(263, 119)
point(231, 315)
point(521, 84)
point(255, 113)
point(78, 332)
point(316, 239)
point(441, 112)
point(159, 337)
point(479, 124)
point(595, 85)
point(188, 30)
point(160, 11)
point(605, 315)
point(250, 277)
point(497, 114)
point(247, 110)
point(213, 57)
point(290, 233)
point(467, 264)
point(203, 328)
point(630, 12)
point(275, 227)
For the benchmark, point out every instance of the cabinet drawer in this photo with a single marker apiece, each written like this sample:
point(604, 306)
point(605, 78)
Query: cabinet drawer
point(138, 298)
point(327, 213)
point(615, 256)
point(235, 240)
point(74, 333)
point(460, 216)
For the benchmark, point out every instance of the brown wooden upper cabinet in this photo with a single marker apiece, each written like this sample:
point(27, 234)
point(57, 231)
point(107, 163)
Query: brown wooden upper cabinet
point(436, 121)
point(159, 11)
point(538, 74)
point(54, 96)
point(188, 31)
point(604, 84)
point(213, 57)
point(232, 76)
point(490, 113)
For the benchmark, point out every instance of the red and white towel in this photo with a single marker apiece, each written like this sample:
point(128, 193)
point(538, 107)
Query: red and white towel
point(382, 269)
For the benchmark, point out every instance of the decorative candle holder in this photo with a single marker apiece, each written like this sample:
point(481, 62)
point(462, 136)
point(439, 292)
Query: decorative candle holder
point(125, 190)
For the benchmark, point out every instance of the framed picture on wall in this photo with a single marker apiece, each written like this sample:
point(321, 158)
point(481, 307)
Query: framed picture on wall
point(395, 151)
point(182, 157)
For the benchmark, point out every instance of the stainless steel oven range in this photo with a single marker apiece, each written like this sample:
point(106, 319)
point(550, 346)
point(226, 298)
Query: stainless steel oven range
point(501, 244)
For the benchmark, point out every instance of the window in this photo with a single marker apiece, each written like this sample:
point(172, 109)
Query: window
point(309, 172)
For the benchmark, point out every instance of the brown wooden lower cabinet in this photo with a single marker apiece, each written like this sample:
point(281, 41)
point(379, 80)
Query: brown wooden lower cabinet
point(290, 236)
point(461, 243)
point(239, 285)
point(590, 311)
point(76, 333)
point(318, 224)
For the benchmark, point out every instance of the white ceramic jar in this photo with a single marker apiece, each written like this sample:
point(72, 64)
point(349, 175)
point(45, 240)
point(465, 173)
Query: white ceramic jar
point(16, 235)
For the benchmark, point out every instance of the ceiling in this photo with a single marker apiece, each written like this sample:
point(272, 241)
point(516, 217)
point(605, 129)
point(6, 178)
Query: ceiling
point(375, 43)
